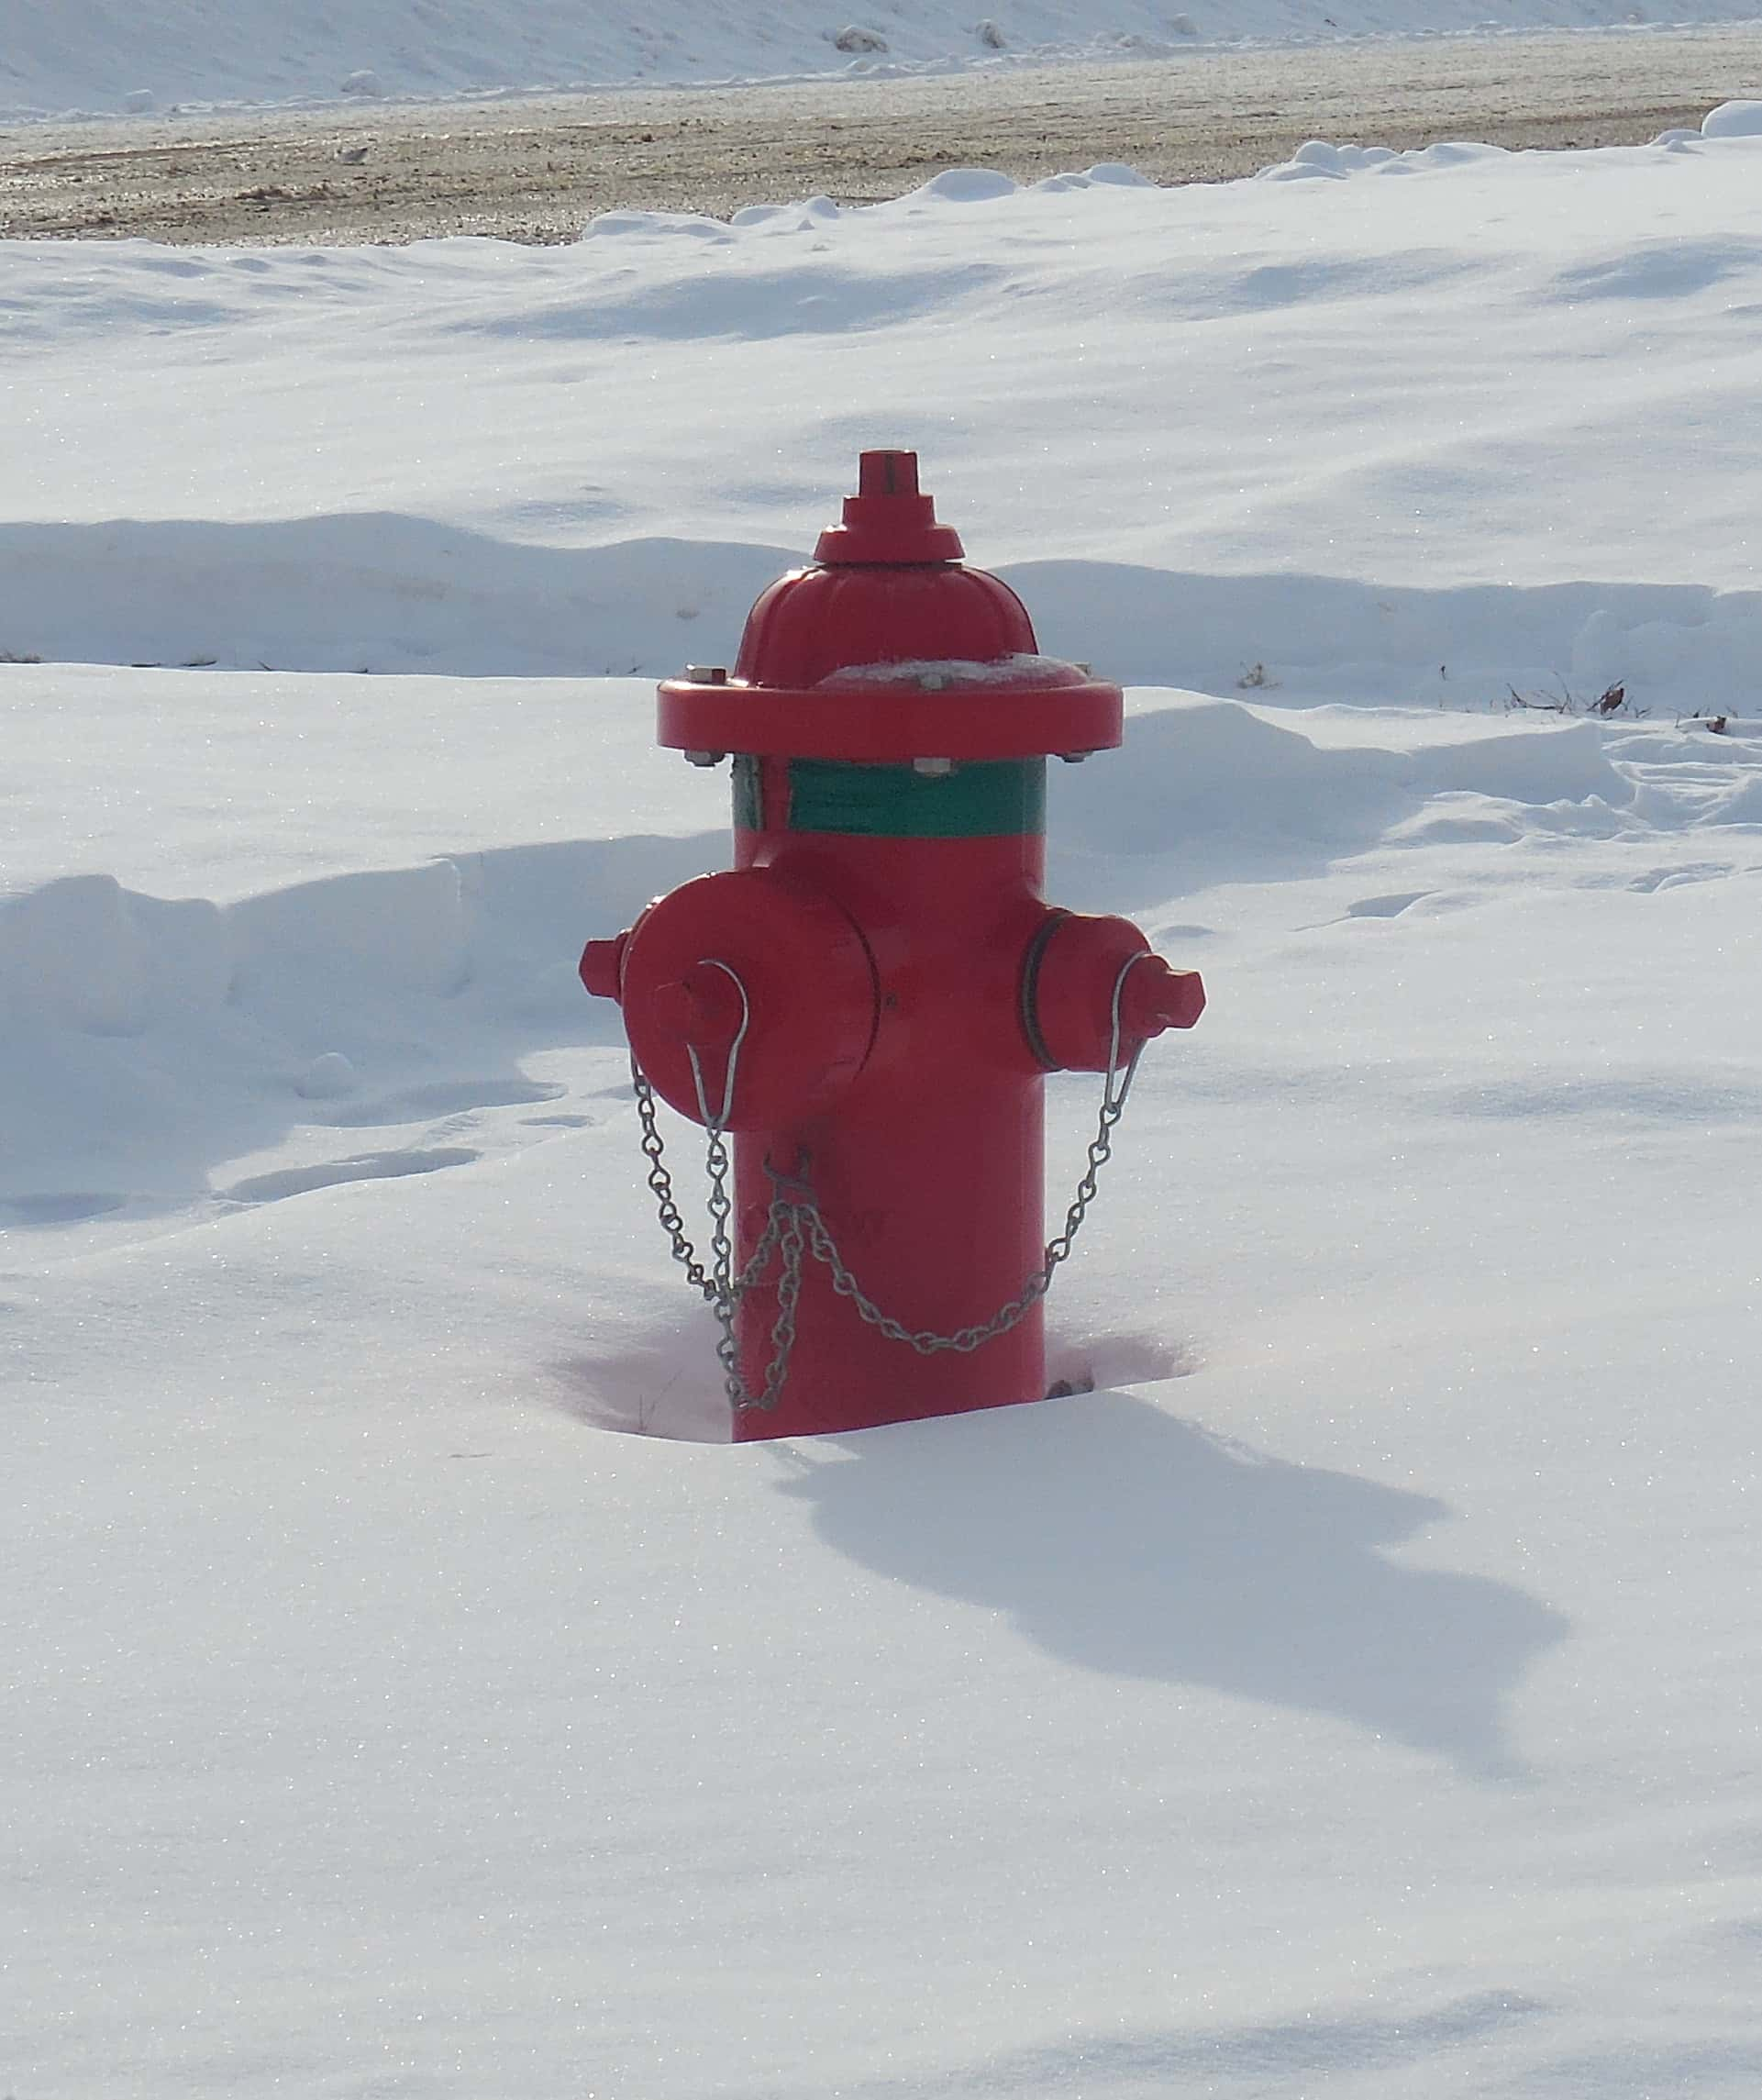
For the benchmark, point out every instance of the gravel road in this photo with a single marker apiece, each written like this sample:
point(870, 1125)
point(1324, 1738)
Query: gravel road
point(536, 168)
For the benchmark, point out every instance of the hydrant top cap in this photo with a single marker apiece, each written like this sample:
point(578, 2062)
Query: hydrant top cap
point(887, 520)
point(889, 589)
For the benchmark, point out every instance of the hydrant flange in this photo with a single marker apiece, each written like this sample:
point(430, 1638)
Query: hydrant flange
point(886, 722)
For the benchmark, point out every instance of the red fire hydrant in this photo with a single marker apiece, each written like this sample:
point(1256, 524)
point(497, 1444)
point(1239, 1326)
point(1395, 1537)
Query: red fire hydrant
point(869, 1001)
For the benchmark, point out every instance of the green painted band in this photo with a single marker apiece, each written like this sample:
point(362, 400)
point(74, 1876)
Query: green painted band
point(987, 799)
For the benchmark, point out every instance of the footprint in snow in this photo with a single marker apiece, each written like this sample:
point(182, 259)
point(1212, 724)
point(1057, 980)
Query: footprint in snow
point(1387, 907)
point(1390, 906)
point(368, 1167)
point(444, 1097)
point(72, 1207)
point(1658, 879)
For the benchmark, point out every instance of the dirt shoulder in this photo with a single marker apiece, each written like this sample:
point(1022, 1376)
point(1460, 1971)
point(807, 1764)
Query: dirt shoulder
point(537, 169)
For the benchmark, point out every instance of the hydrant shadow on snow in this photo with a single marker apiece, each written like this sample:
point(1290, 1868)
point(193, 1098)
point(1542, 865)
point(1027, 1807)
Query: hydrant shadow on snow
point(1128, 1541)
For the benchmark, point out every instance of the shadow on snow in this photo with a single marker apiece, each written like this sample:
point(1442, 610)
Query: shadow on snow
point(1126, 1540)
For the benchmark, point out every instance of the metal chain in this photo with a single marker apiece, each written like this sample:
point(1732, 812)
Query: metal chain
point(782, 1328)
point(721, 1289)
point(794, 1228)
point(966, 1339)
point(661, 1183)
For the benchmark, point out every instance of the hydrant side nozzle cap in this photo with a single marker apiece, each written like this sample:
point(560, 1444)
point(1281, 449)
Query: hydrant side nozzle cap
point(889, 520)
point(602, 966)
point(1156, 997)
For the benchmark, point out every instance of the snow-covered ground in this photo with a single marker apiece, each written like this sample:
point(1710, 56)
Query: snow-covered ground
point(106, 56)
point(1357, 1696)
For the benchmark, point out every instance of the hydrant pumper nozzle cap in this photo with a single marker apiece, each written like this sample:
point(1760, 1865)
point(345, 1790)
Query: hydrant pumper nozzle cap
point(703, 1006)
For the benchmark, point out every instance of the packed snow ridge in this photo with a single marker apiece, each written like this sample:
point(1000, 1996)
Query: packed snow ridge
point(103, 56)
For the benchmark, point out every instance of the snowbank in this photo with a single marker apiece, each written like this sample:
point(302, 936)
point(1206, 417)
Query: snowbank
point(106, 56)
point(1431, 426)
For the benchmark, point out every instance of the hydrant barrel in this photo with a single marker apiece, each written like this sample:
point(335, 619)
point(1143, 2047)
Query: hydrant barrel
point(927, 1169)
